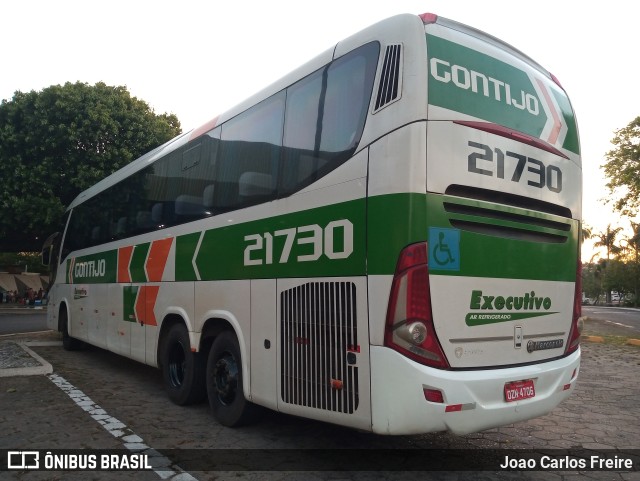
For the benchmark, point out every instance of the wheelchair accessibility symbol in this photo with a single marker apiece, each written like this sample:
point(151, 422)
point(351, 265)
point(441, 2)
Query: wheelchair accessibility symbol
point(444, 247)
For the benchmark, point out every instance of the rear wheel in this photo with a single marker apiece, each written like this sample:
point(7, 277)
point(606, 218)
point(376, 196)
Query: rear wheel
point(182, 369)
point(224, 383)
point(68, 343)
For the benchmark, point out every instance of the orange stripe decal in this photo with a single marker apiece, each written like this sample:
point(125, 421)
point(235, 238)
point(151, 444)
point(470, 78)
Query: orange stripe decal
point(124, 258)
point(157, 259)
point(151, 295)
point(145, 304)
point(140, 305)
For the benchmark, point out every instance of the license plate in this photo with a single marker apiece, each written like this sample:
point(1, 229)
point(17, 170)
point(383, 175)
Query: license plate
point(518, 390)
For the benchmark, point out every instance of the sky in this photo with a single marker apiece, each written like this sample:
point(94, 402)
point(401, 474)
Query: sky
point(197, 58)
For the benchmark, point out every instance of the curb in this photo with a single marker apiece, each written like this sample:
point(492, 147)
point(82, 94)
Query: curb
point(43, 366)
point(598, 339)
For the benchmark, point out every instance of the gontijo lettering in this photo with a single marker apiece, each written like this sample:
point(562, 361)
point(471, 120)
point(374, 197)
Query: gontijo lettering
point(466, 79)
point(90, 268)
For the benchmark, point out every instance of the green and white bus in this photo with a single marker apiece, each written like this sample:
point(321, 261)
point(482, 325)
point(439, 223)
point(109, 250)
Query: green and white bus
point(387, 239)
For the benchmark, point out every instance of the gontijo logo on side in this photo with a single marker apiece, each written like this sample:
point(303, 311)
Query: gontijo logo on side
point(92, 269)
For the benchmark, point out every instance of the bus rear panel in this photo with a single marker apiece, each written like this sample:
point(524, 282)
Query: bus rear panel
point(482, 325)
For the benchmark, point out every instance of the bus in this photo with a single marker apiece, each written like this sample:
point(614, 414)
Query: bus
point(387, 238)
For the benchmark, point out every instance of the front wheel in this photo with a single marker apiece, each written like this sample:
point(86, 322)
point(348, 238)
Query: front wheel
point(224, 383)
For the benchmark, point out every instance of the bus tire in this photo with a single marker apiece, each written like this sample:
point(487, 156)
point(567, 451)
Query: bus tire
point(224, 383)
point(182, 369)
point(68, 343)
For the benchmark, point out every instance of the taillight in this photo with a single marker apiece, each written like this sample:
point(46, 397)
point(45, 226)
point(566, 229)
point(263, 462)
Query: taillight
point(428, 18)
point(409, 328)
point(576, 323)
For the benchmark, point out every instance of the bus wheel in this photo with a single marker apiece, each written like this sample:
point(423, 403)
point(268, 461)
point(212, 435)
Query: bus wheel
point(224, 383)
point(68, 343)
point(182, 369)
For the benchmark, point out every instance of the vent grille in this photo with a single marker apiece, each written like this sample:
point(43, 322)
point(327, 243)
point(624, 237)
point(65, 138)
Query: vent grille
point(513, 200)
point(390, 80)
point(510, 225)
point(319, 337)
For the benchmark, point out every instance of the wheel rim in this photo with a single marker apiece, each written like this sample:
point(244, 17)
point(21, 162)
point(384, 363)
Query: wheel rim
point(176, 364)
point(226, 378)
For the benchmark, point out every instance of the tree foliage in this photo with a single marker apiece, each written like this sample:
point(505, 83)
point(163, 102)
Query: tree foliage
point(619, 271)
point(57, 142)
point(607, 239)
point(622, 168)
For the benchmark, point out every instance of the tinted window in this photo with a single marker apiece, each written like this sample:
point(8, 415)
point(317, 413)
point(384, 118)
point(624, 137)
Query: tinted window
point(325, 117)
point(247, 171)
point(271, 150)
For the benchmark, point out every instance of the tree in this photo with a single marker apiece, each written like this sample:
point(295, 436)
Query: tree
point(586, 233)
point(607, 239)
point(57, 142)
point(622, 168)
point(631, 255)
point(592, 279)
point(22, 262)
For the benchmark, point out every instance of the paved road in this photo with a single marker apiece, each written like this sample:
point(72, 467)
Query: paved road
point(603, 413)
point(22, 320)
point(623, 317)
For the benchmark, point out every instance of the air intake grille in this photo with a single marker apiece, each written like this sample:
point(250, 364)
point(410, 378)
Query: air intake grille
point(390, 81)
point(498, 222)
point(318, 335)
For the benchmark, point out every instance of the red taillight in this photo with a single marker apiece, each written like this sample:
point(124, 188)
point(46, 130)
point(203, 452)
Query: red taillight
point(576, 323)
point(409, 327)
point(428, 18)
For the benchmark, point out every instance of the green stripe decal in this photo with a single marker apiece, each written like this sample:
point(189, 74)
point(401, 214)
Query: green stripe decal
point(185, 251)
point(129, 294)
point(323, 242)
point(394, 222)
point(334, 240)
point(470, 82)
point(571, 141)
point(138, 259)
point(473, 319)
point(497, 256)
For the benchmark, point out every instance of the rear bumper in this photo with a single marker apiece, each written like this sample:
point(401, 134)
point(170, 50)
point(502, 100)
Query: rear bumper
point(476, 397)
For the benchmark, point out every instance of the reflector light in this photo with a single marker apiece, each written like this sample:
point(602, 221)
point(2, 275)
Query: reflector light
point(555, 79)
point(428, 18)
point(452, 408)
point(566, 387)
point(433, 395)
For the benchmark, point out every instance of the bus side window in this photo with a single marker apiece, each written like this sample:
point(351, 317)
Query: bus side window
point(249, 161)
point(325, 117)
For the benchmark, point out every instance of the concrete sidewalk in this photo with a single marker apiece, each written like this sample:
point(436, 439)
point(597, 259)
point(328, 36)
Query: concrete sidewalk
point(18, 359)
